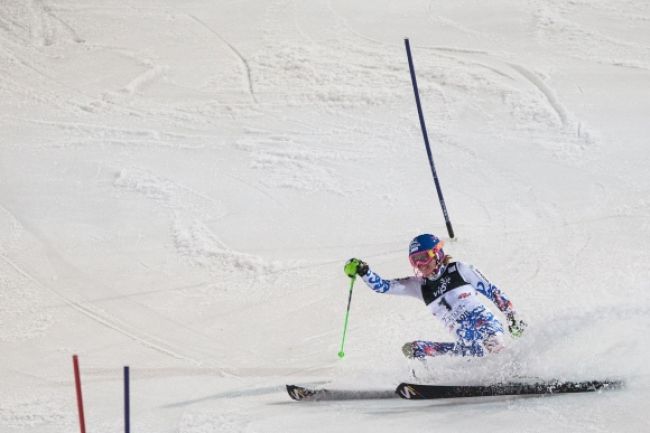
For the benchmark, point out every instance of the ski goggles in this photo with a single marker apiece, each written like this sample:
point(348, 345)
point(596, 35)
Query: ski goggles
point(423, 258)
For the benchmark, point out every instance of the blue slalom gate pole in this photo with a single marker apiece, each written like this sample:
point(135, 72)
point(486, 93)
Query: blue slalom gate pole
point(450, 230)
point(127, 408)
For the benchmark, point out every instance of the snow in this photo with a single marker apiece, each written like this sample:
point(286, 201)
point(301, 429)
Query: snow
point(182, 182)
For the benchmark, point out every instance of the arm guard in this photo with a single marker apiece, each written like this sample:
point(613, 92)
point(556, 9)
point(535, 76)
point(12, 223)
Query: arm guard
point(409, 286)
point(487, 289)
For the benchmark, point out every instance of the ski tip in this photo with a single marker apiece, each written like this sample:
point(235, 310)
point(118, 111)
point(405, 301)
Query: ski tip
point(291, 390)
point(299, 393)
point(407, 391)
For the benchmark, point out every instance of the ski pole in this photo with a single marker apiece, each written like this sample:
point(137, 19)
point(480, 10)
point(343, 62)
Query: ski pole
point(347, 315)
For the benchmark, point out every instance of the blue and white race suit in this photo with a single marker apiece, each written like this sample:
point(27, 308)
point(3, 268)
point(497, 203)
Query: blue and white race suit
point(453, 297)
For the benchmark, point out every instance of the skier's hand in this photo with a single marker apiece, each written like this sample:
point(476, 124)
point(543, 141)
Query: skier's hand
point(516, 327)
point(354, 267)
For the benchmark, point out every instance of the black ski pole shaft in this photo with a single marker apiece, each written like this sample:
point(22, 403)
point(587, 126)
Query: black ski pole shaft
point(423, 126)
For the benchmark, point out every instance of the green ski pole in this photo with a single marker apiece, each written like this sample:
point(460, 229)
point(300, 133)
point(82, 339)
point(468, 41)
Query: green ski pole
point(347, 315)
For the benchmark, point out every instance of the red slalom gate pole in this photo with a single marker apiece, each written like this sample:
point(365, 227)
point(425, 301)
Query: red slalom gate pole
point(80, 402)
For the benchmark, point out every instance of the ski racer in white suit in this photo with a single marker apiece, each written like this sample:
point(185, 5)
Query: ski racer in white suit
point(455, 293)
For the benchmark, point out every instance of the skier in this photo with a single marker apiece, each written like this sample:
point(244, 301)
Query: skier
point(450, 290)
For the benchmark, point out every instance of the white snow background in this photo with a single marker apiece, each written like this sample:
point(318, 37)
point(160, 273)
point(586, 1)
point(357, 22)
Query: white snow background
point(181, 183)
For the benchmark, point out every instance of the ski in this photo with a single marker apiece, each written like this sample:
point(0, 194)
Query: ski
point(419, 392)
point(301, 393)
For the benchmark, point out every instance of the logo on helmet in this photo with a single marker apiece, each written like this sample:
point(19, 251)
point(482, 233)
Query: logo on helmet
point(423, 242)
point(414, 247)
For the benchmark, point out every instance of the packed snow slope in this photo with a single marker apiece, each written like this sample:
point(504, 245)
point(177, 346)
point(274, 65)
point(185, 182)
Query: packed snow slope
point(182, 182)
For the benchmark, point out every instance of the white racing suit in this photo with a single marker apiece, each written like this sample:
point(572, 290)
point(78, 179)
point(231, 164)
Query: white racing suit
point(453, 297)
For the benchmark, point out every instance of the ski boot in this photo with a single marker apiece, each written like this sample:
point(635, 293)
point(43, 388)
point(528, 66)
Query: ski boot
point(419, 349)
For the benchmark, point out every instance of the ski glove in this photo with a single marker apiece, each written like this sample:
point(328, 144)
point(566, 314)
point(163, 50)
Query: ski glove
point(516, 327)
point(354, 267)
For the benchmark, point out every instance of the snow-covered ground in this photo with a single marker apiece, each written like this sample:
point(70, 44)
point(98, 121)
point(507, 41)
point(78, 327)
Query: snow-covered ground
point(182, 182)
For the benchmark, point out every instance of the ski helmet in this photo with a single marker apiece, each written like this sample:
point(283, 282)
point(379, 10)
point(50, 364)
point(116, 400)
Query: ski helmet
point(423, 242)
point(424, 248)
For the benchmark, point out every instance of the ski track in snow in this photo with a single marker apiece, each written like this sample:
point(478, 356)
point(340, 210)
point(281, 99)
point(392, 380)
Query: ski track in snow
point(22, 312)
point(152, 73)
point(87, 309)
point(548, 93)
point(556, 24)
point(191, 235)
point(459, 55)
point(246, 66)
point(39, 412)
point(105, 320)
